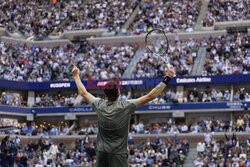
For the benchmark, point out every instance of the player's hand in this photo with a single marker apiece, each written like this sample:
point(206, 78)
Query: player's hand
point(75, 72)
point(171, 72)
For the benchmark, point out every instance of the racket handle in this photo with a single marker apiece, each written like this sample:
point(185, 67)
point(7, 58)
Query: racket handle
point(168, 64)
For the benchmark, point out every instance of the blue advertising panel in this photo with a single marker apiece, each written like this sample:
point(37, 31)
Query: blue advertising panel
point(138, 83)
point(162, 107)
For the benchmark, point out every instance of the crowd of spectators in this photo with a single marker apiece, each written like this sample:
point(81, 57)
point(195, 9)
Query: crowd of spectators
point(35, 64)
point(167, 97)
point(12, 99)
point(227, 55)
point(45, 152)
point(226, 10)
point(240, 124)
point(37, 18)
point(241, 95)
point(181, 56)
point(194, 95)
point(54, 100)
point(230, 152)
point(23, 63)
point(41, 100)
point(172, 16)
point(103, 61)
point(158, 152)
point(99, 14)
point(35, 129)
point(4, 23)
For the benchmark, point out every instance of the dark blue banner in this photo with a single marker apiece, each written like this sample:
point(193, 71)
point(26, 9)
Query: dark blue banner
point(137, 83)
point(162, 107)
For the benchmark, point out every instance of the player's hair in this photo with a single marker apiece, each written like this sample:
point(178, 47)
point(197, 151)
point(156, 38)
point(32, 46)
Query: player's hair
point(111, 90)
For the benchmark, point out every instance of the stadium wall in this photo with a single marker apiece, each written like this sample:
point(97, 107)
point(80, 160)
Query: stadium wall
point(193, 138)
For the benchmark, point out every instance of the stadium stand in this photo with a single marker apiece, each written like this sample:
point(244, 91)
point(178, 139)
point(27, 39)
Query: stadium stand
point(172, 16)
point(169, 96)
point(23, 63)
point(194, 96)
point(228, 10)
point(230, 151)
point(46, 152)
point(111, 15)
point(4, 23)
point(239, 124)
point(227, 55)
point(105, 62)
point(199, 119)
point(158, 152)
point(54, 100)
point(182, 55)
point(230, 58)
point(37, 18)
point(12, 99)
point(83, 152)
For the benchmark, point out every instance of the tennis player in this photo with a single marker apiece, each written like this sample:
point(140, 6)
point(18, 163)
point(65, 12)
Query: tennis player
point(114, 118)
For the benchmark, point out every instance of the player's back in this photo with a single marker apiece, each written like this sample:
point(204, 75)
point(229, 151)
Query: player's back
point(113, 124)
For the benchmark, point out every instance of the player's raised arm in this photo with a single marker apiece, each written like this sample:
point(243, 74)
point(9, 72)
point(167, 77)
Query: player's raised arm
point(81, 88)
point(157, 90)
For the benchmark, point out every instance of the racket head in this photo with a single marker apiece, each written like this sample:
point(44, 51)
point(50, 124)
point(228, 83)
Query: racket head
point(157, 42)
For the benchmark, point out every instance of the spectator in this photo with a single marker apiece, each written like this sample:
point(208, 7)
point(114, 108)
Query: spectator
point(240, 124)
point(207, 137)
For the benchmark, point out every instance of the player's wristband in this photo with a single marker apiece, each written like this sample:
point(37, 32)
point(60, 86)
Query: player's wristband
point(166, 80)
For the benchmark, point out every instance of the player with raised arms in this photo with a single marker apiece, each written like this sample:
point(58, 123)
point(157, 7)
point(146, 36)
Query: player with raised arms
point(114, 115)
point(114, 119)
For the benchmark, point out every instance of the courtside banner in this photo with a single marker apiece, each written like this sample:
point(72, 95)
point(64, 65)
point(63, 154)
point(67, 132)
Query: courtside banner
point(142, 83)
point(162, 107)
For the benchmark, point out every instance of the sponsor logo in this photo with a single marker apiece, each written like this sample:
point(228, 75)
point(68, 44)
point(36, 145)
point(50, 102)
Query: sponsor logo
point(194, 80)
point(81, 109)
point(60, 85)
point(234, 104)
point(123, 83)
point(159, 107)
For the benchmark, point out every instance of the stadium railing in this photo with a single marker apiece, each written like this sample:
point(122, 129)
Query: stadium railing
point(141, 38)
point(229, 24)
point(176, 110)
point(75, 35)
point(3, 32)
point(192, 137)
point(48, 43)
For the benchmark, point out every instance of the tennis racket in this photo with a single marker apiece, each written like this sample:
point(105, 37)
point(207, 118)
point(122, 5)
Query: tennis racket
point(157, 43)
